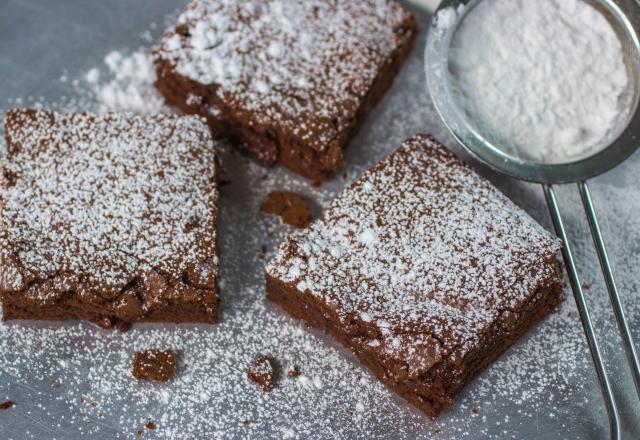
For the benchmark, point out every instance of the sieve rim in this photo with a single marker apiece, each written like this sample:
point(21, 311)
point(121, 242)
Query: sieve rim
point(624, 14)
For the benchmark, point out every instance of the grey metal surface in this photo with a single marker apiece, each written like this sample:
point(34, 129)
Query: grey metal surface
point(544, 387)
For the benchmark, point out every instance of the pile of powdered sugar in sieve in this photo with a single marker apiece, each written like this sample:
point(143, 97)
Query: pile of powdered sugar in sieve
point(77, 377)
point(544, 80)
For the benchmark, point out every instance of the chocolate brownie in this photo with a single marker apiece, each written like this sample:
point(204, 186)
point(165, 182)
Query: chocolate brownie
point(108, 218)
point(291, 81)
point(154, 364)
point(424, 269)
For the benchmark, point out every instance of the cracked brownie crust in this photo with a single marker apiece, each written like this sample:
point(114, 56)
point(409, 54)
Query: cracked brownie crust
point(108, 218)
point(424, 269)
point(289, 81)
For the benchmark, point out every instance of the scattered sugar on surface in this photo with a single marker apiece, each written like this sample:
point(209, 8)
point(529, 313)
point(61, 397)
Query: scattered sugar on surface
point(131, 87)
point(542, 386)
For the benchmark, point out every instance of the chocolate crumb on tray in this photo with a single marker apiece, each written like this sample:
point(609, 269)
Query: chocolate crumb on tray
point(292, 208)
point(424, 269)
point(294, 372)
point(6, 405)
point(263, 372)
point(85, 230)
point(155, 364)
point(291, 81)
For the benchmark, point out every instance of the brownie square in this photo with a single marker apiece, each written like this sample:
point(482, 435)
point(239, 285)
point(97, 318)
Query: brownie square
point(424, 269)
point(291, 81)
point(108, 218)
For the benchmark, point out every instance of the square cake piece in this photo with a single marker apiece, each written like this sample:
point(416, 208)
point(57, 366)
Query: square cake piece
point(289, 80)
point(424, 269)
point(108, 218)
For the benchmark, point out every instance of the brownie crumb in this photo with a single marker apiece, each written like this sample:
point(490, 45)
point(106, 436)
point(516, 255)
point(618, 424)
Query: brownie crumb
point(154, 364)
point(475, 411)
point(586, 285)
point(6, 405)
point(150, 425)
point(292, 208)
point(263, 252)
point(294, 372)
point(139, 433)
point(263, 372)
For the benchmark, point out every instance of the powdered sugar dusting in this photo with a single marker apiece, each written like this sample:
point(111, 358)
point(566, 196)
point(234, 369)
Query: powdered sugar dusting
point(108, 197)
point(543, 80)
point(303, 65)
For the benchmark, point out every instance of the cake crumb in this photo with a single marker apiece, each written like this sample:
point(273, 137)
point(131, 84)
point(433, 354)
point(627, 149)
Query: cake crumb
point(154, 364)
point(292, 208)
point(6, 405)
point(150, 425)
point(263, 372)
point(294, 372)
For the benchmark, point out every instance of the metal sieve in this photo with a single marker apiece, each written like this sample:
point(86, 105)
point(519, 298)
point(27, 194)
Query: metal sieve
point(624, 16)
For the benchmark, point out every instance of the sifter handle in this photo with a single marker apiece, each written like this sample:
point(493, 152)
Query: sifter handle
point(623, 328)
point(583, 311)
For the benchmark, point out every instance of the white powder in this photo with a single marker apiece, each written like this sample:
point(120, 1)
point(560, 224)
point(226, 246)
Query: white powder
point(130, 84)
point(92, 76)
point(544, 79)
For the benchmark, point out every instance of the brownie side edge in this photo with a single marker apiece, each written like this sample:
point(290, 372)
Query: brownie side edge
point(434, 392)
point(105, 317)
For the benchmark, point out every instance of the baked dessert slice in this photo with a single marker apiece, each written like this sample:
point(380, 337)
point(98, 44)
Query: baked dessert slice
point(424, 269)
point(291, 81)
point(108, 218)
